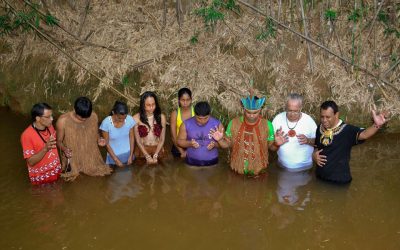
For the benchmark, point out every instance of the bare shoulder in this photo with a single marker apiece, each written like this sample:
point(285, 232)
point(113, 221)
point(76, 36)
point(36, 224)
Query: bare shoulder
point(136, 117)
point(173, 115)
point(163, 118)
point(61, 119)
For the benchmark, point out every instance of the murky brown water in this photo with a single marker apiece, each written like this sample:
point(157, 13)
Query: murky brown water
point(176, 207)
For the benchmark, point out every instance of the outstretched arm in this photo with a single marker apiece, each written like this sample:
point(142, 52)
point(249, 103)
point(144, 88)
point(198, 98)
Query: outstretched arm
point(379, 120)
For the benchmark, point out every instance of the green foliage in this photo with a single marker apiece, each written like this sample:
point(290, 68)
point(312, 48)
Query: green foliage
point(51, 20)
point(22, 20)
point(355, 15)
point(268, 31)
point(383, 17)
point(194, 39)
point(5, 25)
point(331, 15)
point(390, 30)
point(231, 5)
point(125, 81)
point(212, 13)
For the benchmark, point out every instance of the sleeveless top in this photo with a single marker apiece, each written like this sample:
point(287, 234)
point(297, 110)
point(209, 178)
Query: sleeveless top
point(201, 156)
point(179, 118)
point(249, 154)
point(81, 138)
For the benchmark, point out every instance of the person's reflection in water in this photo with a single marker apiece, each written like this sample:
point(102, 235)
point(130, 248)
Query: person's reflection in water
point(203, 192)
point(48, 198)
point(288, 183)
point(122, 184)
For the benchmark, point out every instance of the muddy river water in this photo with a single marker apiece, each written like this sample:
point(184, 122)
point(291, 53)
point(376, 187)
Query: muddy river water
point(173, 206)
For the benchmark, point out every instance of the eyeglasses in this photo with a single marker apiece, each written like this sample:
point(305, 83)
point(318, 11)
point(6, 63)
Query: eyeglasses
point(48, 117)
point(292, 112)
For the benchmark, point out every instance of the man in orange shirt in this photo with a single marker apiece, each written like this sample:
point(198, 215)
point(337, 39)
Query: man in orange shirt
point(39, 146)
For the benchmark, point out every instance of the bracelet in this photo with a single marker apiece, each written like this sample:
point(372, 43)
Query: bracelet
point(155, 156)
point(147, 157)
point(376, 126)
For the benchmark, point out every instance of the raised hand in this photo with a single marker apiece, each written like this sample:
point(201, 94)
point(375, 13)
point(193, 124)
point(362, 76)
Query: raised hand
point(379, 118)
point(280, 137)
point(217, 134)
point(319, 158)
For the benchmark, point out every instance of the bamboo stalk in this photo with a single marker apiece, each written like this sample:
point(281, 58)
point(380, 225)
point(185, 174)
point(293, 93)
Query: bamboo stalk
point(83, 17)
point(69, 56)
point(317, 44)
point(74, 36)
point(164, 13)
point(310, 58)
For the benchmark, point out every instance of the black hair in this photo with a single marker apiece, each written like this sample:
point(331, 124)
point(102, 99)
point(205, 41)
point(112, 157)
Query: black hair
point(38, 110)
point(119, 108)
point(83, 107)
point(202, 109)
point(157, 111)
point(183, 91)
point(330, 104)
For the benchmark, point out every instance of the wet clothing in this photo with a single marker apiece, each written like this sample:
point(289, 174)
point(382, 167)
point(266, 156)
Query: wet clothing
point(48, 169)
point(293, 155)
point(81, 138)
point(201, 133)
point(337, 149)
point(118, 138)
point(249, 154)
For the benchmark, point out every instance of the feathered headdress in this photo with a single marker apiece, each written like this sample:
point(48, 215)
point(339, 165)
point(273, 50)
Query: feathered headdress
point(252, 102)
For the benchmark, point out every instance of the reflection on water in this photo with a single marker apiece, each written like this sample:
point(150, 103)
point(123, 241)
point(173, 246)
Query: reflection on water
point(122, 184)
point(288, 184)
point(173, 206)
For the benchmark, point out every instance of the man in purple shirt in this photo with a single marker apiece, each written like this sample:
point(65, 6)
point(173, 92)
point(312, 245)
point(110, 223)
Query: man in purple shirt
point(194, 135)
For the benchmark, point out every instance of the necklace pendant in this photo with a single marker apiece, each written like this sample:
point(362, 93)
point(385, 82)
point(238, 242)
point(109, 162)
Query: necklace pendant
point(291, 133)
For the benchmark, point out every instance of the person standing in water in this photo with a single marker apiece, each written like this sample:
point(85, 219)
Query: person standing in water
point(194, 135)
point(184, 112)
point(334, 141)
point(39, 146)
point(78, 139)
point(149, 129)
point(117, 130)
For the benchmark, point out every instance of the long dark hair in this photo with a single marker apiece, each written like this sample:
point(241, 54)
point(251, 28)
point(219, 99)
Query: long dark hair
point(157, 111)
point(183, 91)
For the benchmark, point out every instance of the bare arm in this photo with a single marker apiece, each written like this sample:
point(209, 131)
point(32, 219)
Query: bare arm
point(60, 137)
point(131, 144)
point(162, 137)
point(379, 120)
point(34, 159)
point(110, 151)
point(174, 136)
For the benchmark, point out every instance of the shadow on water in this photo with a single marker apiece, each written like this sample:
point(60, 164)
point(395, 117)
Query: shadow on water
point(174, 206)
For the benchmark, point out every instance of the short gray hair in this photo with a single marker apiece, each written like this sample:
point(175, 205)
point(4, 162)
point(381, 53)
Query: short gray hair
point(295, 97)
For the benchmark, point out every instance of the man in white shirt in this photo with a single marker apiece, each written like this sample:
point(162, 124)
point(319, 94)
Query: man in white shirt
point(300, 128)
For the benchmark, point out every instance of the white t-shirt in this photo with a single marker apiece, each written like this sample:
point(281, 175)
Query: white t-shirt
point(292, 155)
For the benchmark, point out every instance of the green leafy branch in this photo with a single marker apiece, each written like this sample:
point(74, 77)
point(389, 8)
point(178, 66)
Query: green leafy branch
point(22, 21)
point(269, 30)
point(330, 15)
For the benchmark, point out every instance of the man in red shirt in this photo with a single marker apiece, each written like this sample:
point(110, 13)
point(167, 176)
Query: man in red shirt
point(39, 146)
